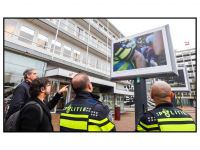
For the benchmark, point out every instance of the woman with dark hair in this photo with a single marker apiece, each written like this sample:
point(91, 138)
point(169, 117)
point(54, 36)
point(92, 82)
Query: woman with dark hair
point(37, 117)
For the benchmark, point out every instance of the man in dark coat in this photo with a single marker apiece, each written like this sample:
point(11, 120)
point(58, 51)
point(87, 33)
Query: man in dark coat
point(30, 115)
point(21, 93)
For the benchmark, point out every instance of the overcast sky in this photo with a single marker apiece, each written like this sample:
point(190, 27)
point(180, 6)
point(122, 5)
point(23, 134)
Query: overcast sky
point(182, 30)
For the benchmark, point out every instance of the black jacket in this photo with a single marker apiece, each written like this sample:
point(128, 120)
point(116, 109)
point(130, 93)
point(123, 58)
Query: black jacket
point(19, 98)
point(30, 116)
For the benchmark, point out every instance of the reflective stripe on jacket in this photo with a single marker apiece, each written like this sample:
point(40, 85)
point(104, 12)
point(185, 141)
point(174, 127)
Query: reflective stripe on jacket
point(173, 119)
point(82, 117)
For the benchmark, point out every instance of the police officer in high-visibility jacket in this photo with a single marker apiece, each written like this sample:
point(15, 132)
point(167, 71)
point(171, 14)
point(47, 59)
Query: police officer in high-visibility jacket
point(85, 112)
point(164, 117)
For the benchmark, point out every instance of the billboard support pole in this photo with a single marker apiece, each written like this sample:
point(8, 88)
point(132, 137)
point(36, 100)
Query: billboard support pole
point(140, 98)
point(173, 101)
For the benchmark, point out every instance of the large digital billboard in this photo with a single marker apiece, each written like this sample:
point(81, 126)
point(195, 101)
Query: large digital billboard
point(179, 83)
point(148, 54)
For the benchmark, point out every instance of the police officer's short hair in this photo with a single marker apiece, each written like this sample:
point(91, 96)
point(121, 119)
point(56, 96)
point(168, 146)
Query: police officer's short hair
point(27, 71)
point(80, 84)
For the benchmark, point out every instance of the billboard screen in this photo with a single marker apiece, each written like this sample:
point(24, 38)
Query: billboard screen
point(148, 54)
point(179, 83)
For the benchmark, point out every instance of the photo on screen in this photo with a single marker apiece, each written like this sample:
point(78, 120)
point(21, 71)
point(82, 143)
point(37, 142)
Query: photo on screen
point(139, 52)
point(178, 81)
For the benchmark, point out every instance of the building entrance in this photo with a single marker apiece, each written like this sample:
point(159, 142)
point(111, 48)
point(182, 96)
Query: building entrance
point(61, 103)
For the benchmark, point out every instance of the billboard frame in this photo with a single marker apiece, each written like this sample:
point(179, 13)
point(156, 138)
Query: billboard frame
point(148, 72)
point(187, 83)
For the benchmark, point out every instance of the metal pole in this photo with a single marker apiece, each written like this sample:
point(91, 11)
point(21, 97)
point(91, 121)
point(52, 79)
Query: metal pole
point(87, 47)
point(107, 49)
point(140, 98)
point(55, 39)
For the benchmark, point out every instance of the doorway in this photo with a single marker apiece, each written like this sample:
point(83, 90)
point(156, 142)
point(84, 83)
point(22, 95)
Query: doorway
point(62, 102)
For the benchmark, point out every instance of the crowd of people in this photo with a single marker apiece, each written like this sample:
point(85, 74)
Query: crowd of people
point(85, 112)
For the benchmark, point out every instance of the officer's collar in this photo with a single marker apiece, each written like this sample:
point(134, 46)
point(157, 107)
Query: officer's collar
point(165, 105)
point(86, 95)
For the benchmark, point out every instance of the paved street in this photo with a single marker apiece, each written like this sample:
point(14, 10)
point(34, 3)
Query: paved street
point(127, 121)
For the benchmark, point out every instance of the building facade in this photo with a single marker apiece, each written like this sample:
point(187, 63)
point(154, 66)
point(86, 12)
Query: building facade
point(187, 58)
point(59, 49)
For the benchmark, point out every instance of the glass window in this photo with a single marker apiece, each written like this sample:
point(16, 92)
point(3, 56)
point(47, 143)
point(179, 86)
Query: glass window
point(105, 30)
point(95, 22)
point(15, 64)
point(77, 55)
point(94, 41)
point(62, 23)
point(98, 64)
point(111, 102)
point(26, 34)
point(71, 27)
point(110, 34)
point(100, 27)
point(193, 57)
point(99, 45)
point(9, 27)
point(67, 51)
point(86, 36)
point(104, 66)
point(42, 41)
point(57, 47)
point(92, 61)
point(84, 58)
point(79, 32)
point(104, 47)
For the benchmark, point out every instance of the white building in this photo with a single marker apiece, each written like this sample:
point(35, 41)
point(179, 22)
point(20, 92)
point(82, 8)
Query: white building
point(59, 49)
point(187, 58)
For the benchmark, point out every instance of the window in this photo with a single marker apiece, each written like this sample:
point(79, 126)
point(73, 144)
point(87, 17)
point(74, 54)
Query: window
point(105, 30)
point(110, 34)
point(99, 45)
point(100, 27)
point(104, 66)
point(71, 27)
point(9, 27)
point(77, 55)
point(62, 23)
point(92, 61)
point(27, 35)
point(79, 32)
point(95, 22)
point(42, 41)
point(67, 51)
point(57, 47)
point(94, 41)
point(86, 36)
point(98, 64)
point(84, 58)
point(104, 47)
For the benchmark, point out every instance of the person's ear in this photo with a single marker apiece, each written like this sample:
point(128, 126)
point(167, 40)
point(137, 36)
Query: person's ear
point(42, 89)
point(89, 86)
point(151, 94)
point(172, 95)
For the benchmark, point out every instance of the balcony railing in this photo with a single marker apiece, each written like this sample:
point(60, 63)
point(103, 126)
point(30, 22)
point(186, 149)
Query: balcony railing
point(82, 37)
point(101, 29)
point(54, 53)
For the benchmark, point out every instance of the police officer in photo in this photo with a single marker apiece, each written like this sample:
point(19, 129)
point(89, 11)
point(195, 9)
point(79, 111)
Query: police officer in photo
point(164, 117)
point(85, 112)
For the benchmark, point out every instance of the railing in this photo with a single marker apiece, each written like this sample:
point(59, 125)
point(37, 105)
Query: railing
point(87, 38)
point(57, 53)
point(101, 29)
